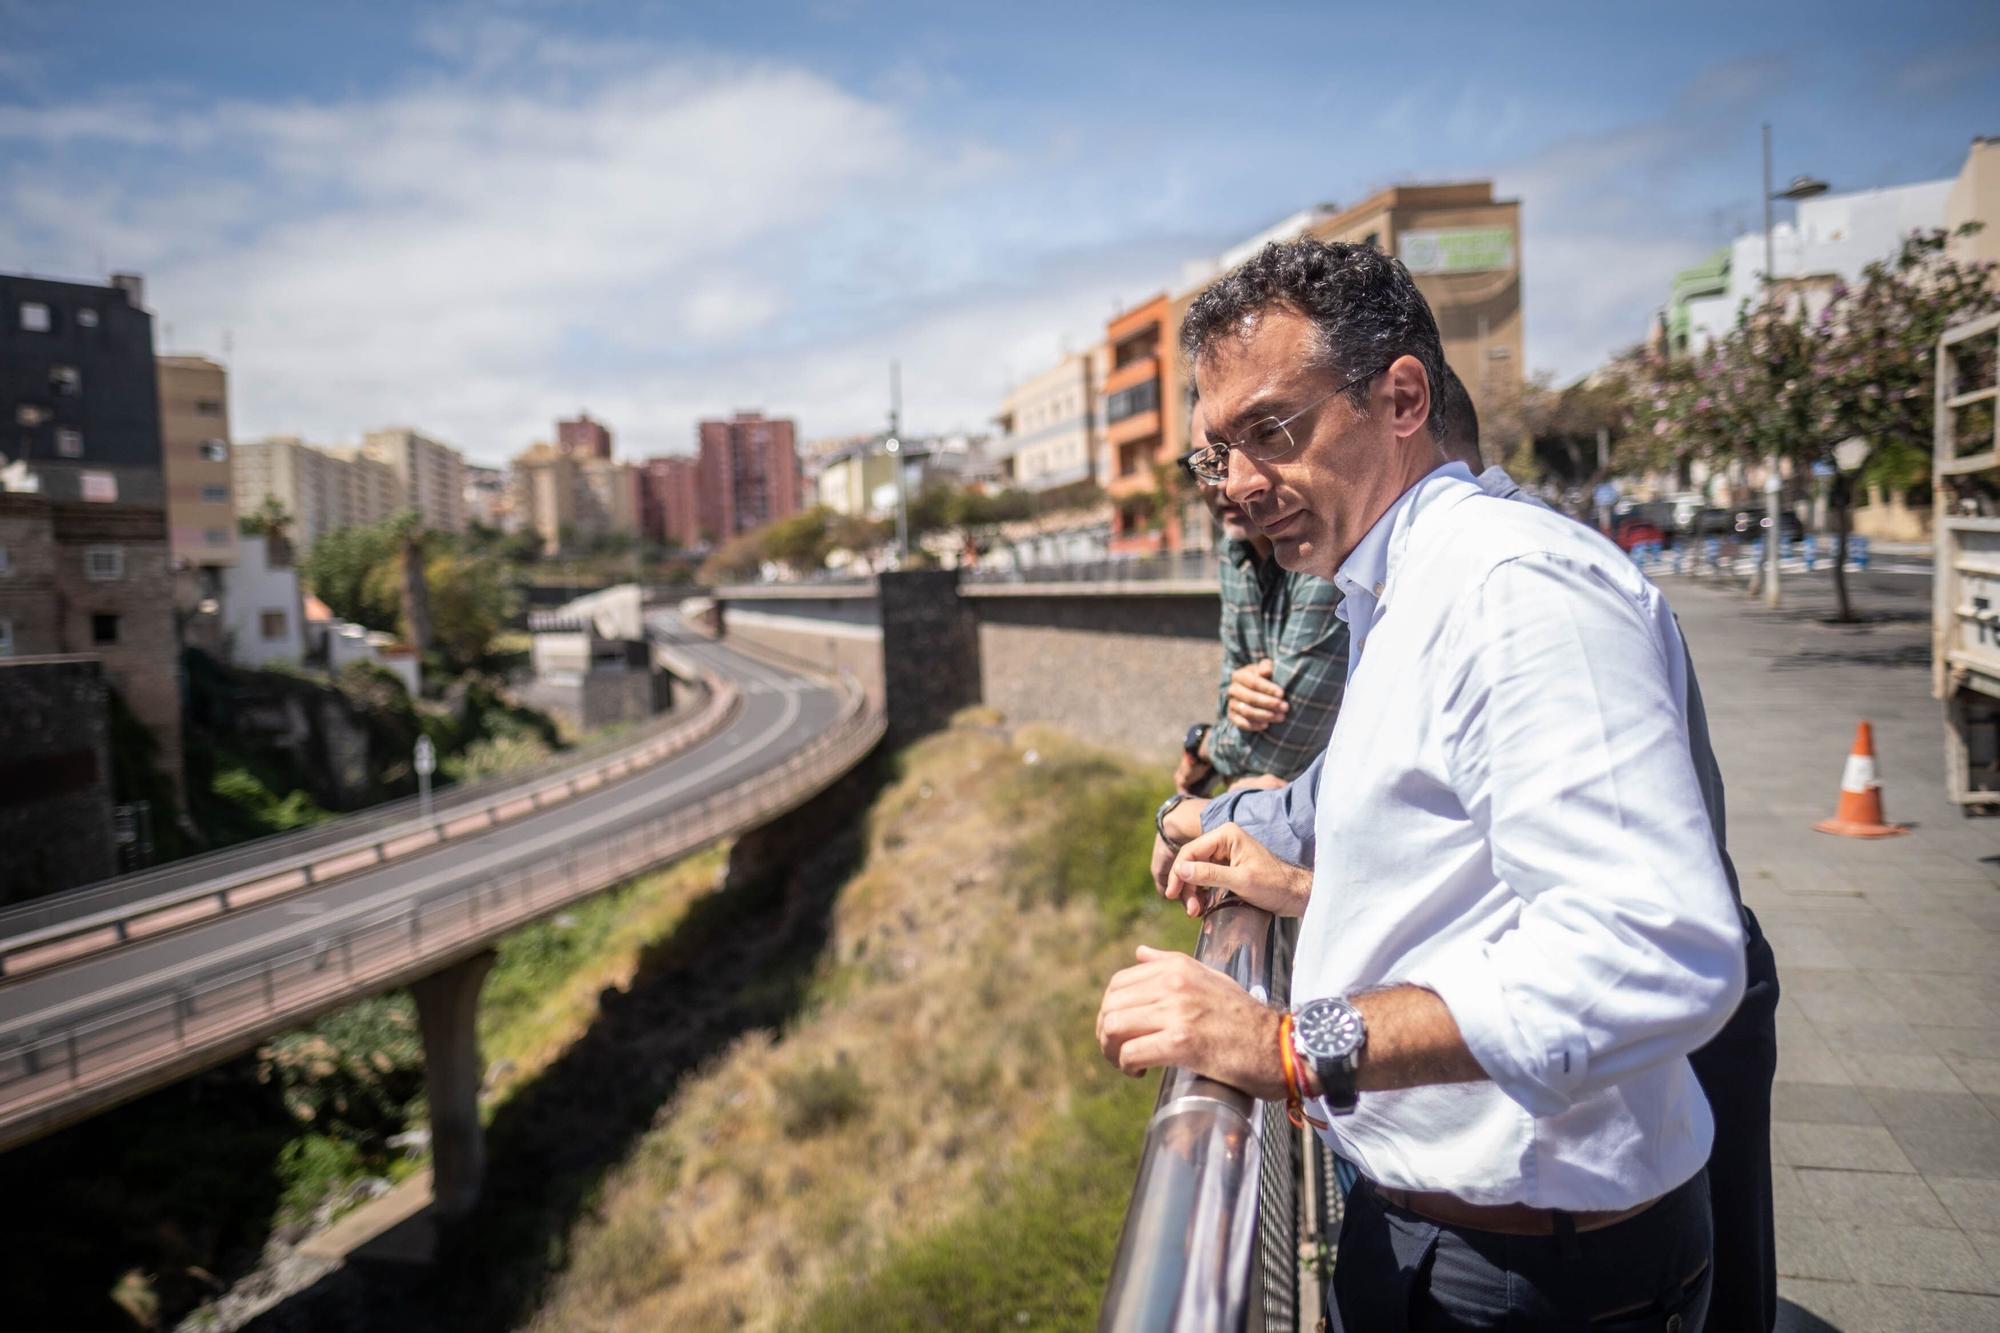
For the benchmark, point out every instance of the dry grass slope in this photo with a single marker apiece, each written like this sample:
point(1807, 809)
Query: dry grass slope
point(940, 1077)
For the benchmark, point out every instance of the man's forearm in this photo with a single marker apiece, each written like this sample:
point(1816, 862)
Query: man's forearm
point(1413, 1042)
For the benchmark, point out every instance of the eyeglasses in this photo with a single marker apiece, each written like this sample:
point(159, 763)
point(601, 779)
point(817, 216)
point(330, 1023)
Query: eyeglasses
point(1265, 441)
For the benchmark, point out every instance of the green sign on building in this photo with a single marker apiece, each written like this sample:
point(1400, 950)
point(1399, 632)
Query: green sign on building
point(1458, 250)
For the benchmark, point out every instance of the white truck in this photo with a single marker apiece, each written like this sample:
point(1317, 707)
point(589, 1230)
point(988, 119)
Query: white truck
point(1965, 609)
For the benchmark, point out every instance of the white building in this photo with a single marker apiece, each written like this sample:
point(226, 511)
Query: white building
point(262, 615)
point(432, 474)
point(1048, 434)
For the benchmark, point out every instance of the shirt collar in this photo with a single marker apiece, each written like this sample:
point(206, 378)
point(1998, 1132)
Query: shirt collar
point(1365, 573)
point(1240, 551)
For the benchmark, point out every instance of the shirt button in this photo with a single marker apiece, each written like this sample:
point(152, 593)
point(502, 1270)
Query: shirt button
point(1378, 590)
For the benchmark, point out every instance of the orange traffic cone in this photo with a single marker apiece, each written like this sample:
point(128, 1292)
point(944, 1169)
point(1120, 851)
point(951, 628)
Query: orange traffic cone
point(1860, 812)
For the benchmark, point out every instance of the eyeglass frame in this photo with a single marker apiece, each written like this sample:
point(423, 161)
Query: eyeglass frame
point(1193, 468)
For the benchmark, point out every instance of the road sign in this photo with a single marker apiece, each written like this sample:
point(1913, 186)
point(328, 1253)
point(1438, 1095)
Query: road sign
point(427, 756)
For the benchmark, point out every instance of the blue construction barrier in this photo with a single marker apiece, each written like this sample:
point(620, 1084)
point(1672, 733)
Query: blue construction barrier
point(1857, 552)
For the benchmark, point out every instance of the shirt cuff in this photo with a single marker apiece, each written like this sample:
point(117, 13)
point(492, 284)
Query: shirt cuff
point(1538, 1066)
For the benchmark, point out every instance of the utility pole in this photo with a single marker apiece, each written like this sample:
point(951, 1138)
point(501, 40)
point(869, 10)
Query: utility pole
point(895, 448)
point(1772, 484)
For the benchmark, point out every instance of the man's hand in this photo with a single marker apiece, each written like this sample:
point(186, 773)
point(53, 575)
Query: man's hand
point(1184, 824)
point(1255, 701)
point(1169, 1009)
point(1228, 859)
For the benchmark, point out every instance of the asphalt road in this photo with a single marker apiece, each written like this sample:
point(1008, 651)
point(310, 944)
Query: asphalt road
point(781, 712)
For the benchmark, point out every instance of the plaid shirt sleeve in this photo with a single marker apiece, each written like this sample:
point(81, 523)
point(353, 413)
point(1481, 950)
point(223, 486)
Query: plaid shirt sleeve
point(1309, 662)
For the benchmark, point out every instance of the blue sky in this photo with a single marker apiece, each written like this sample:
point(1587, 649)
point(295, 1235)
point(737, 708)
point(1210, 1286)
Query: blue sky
point(475, 218)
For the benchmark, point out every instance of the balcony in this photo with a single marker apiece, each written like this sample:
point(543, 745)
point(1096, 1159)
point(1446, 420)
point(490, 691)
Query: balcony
point(1136, 371)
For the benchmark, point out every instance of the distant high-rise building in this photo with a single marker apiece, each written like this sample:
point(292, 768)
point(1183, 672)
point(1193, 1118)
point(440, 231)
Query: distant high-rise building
point(432, 474)
point(487, 501)
point(322, 490)
point(749, 473)
point(607, 501)
point(1049, 427)
point(583, 438)
point(669, 500)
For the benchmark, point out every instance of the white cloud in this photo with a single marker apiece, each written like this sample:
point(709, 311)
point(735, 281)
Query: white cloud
point(481, 252)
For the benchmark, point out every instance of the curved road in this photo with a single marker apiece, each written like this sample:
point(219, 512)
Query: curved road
point(781, 712)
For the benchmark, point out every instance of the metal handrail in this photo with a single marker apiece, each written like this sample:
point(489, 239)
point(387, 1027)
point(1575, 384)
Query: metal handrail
point(1188, 1257)
point(93, 1059)
point(1194, 566)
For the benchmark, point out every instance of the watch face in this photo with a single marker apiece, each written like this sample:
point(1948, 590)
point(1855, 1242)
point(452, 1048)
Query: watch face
point(1328, 1029)
point(1195, 734)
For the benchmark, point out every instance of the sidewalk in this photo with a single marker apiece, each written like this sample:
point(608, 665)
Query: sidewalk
point(1885, 1136)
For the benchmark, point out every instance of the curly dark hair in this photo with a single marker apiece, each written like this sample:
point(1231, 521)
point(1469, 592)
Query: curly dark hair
point(1364, 303)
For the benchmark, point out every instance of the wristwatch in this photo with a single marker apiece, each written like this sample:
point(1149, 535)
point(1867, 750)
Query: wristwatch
point(1330, 1035)
point(1160, 818)
point(1196, 734)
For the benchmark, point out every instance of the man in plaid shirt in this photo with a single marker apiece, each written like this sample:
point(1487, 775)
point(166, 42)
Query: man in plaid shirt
point(1284, 663)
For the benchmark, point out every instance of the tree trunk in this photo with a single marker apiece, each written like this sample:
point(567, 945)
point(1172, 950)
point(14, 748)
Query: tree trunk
point(1839, 496)
point(416, 593)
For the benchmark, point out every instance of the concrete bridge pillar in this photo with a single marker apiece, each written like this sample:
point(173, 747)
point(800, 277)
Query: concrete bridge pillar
point(447, 1015)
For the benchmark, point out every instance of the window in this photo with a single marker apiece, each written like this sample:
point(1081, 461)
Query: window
point(216, 537)
point(34, 317)
point(86, 317)
point(103, 628)
point(6, 637)
point(65, 381)
point(69, 442)
point(1141, 397)
point(214, 495)
point(100, 487)
point(103, 563)
point(29, 414)
point(271, 624)
point(208, 407)
point(214, 451)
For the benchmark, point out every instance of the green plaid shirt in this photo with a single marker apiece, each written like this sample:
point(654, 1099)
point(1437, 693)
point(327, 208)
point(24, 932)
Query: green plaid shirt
point(1290, 619)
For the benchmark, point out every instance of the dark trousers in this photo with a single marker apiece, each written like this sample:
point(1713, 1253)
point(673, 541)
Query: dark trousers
point(1396, 1271)
point(1736, 1070)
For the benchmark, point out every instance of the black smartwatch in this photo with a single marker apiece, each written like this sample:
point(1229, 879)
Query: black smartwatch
point(1196, 734)
point(1330, 1035)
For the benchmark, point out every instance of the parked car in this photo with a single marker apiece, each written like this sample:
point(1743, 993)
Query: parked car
point(1751, 525)
point(1712, 523)
point(1637, 530)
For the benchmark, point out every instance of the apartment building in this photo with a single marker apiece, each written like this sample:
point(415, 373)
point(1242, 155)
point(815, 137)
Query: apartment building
point(1141, 368)
point(431, 474)
point(487, 498)
point(321, 489)
point(749, 473)
point(669, 500)
point(1463, 247)
point(545, 484)
point(581, 438)
point(79, 391)
point(85, 565)
point(194, 449)
point(1048, 426)
point(607, 501)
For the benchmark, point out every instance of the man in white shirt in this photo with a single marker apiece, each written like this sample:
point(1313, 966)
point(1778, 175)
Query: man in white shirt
point(1516, 927)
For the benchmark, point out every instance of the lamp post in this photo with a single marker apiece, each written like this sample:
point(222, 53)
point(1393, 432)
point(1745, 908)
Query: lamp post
point(894, 445)
point(1802, 187)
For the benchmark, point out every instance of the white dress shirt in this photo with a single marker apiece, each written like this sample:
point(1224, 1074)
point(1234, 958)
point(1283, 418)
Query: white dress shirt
point(1519, 829)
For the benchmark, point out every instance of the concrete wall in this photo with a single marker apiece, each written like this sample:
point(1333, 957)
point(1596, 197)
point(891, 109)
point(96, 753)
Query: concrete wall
point(253, 590)
point(55, 776)
point(1128, 666)
point(1126, 669)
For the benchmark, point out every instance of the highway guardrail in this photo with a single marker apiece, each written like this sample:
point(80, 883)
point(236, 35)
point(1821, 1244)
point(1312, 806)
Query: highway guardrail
point(69, 1069)
point(63, 927)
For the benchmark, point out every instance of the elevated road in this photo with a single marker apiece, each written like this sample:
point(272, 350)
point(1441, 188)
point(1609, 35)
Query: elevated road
point(84, 1034)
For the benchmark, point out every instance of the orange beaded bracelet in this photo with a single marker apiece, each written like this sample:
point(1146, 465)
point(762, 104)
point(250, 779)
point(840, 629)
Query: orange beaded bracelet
point(1288, 1059)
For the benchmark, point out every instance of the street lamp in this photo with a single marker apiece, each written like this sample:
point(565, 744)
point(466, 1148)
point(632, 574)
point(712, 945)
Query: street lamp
point(895, 448)
point(1802, 187)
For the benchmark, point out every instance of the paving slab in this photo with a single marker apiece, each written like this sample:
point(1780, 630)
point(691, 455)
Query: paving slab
point(1886, 1114)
